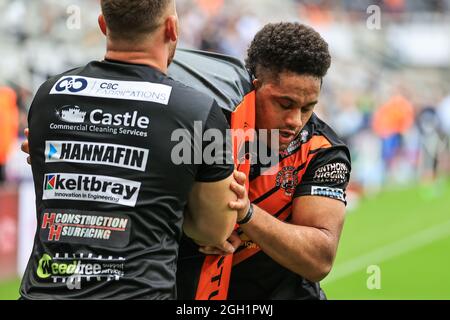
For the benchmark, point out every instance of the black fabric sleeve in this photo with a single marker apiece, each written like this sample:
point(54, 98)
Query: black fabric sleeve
point(217, 161)
point(327, 175)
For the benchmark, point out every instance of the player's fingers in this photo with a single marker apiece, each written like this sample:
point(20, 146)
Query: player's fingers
point(212, 251)
point(237, 205)
point(26, 131)
point(238, 189)
point(235, 240)
point(227, 247)
point(240, 177)
point(25, 147)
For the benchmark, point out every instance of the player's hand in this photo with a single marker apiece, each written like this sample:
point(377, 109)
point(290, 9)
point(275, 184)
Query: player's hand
point(25, 147)
point(242, 204)
point(228, 247)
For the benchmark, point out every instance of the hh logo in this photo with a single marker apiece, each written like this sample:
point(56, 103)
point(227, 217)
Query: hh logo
point(48, 221)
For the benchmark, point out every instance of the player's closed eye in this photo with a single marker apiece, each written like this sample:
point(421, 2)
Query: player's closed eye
point(307, 110)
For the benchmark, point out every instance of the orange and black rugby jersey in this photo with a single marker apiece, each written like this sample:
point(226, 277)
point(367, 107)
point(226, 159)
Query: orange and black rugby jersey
point(316, 163)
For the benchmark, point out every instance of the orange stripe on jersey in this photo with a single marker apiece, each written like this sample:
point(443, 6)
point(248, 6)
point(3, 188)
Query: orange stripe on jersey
point(214, 278)
point(245, 254)
point(264, 183)
point(316, 142)
point(216, 270)
point(243, 130)
point(269, 193)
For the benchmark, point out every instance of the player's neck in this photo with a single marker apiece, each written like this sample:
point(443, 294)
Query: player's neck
point(155, 56)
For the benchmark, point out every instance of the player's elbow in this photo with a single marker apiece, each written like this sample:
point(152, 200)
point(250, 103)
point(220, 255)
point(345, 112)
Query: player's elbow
point(320, 266)
point(320, 273)
point(216, 240)
point(210, 233)
point(324, 264)
point(218, 232)
point(323, 258)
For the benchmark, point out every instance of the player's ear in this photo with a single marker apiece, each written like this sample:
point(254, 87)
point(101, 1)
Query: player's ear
point(256, 83)
point(102, 23)
point(172, 28)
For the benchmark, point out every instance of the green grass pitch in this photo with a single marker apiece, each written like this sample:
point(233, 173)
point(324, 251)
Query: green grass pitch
point(406, 235)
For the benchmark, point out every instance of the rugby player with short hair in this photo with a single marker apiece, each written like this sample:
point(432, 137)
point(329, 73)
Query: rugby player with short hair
point(294, 214)
point(110, 200)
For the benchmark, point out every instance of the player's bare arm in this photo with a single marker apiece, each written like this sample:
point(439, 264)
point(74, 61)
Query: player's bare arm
point(307, 245)
point(209, 220)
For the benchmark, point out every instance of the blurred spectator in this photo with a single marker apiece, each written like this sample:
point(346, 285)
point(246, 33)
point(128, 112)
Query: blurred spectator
point(390, 122)
point(443, 111)
point(9, 125)
point(209, 41)
point(317, 13)
point(431, 142)
point(394, 6)
point(367, 167)
point(349, 119)
point(210, 7)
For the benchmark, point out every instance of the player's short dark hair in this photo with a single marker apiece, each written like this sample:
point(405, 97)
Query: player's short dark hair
point(287, 46)
point(127, 19)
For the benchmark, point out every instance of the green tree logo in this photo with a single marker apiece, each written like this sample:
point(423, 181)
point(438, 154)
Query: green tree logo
point(44, 269)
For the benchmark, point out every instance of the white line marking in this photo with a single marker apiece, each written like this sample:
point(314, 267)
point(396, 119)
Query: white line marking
point(377, 256)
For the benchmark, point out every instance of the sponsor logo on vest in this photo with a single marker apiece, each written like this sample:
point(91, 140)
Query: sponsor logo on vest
point(328, 192)
point(113, 89)
point(71, 114)
point(333, 172)
point(96, 153)
point(98, 116)
point(100, 121)
point(295, 144)
point(82, 187)
point(85, 227)
point(71, 84)
point(304, 136)
point(44, 267)
point(72, 269)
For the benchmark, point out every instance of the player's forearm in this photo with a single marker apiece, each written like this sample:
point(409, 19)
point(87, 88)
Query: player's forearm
point(209, 218)
point(211, 233)
point(191, 230)
point(306, 251)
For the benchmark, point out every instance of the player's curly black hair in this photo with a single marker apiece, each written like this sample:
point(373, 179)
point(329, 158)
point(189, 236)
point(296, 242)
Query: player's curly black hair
point(288, 46)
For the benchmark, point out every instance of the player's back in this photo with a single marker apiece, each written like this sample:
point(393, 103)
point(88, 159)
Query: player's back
point(110, 190)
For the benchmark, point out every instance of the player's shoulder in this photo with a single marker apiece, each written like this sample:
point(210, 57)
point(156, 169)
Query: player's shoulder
point(320, 128)
point(183, 91)
point(323, 140)
point(192, 104)
point(50, 83)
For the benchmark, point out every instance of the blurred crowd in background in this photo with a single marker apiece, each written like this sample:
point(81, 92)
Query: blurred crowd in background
point(387, 93)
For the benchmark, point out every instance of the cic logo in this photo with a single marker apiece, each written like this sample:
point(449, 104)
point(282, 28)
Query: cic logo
point(71, 84)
